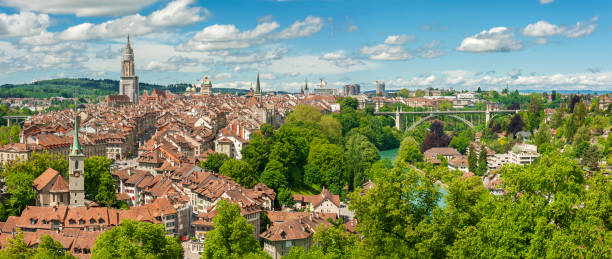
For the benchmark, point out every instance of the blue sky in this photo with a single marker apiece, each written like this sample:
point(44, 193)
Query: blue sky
point(525, 44)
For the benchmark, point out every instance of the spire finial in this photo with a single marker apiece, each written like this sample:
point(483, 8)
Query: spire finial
point(128, 42)
point(76, 148)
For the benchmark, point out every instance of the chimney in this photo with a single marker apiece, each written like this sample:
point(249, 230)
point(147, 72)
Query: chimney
point(310, 215)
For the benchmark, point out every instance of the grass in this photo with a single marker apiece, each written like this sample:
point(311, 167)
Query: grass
point(305, 189)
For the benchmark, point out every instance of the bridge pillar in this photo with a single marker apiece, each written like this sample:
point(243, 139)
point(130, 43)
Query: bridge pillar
point(487, 115)
point(398, 119)
point(9, 122)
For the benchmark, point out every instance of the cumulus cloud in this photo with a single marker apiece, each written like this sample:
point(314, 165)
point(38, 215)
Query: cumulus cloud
point(430, 49)
point(22, 24)
point(308, 27)
point(227, 37)
point(515, 73)
point(221, 37)
point(80, 7)
point(399, 39)
point(337, 55)
point(546, 29)
point(175, 13)
point(385, 52)
point(546, 1)
point(542, 29)
point(497, 39)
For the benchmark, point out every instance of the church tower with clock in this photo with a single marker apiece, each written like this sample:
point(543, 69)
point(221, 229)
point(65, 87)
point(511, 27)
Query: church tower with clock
point(76, 167)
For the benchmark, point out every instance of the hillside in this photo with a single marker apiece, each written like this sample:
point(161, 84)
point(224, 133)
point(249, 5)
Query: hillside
point(65, 87)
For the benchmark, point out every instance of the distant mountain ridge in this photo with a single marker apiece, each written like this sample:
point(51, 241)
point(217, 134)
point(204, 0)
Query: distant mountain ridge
point(65, 87)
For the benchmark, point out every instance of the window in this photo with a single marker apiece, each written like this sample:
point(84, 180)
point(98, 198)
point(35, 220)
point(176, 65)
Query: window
point(101, 221)
point(81, 222)
point(76, 165)
point(92, 221)
point(72, 221)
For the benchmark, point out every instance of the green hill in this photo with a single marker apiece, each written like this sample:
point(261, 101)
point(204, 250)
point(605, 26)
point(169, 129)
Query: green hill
point(65, 87)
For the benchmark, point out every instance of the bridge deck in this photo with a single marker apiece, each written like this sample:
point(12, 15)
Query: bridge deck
point(447, 112)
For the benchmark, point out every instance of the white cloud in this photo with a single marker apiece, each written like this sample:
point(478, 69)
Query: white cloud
point(580, 29)
point(546, 1)
point(220, 37)
point(399, 39)
point(308, 27)
point(176, 13)
point(430, 49)
point(542, 29)
point(353, 28)
point(80, 7)
point(497, 39)
point(385, 52)
point(545, 29)
point(173, 63)
point(337, 55)
point(22, 24)
point(266, 18)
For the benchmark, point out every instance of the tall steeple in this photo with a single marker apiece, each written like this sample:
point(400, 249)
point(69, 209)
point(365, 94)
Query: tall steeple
point(128, 42)
point(129, 81)
point(257, 86)
point(76, 164)
point(76, 149)
point(258, 89)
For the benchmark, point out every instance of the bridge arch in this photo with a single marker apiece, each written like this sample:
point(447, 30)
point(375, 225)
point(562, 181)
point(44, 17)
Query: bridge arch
point(467, 122)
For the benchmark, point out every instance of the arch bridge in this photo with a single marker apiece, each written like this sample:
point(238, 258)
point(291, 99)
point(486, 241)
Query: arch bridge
point(430, 114)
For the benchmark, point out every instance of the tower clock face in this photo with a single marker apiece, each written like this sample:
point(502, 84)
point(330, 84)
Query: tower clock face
point(77, 174)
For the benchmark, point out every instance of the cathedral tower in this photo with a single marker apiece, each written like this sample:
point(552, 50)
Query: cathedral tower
point(76, 165)
point(129, 81)
point(258, 89)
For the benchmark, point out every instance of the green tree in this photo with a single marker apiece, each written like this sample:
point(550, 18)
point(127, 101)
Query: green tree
point(543, 137)
point(482, 162)
point(360, 154)
point(590, 158)
point(239, 171)
point(214, 161)
point(392, 216)
point(335, 241)
point(96, 168)
point(16, 247)
point(408, 151)
point(107, 191)
point(460, 143)
point(347, 102)
point(135, 239)
point(329, 158)
point(331, 128)
point(49, 248)
point(285, 198)
point(472, 160)
point(304, 114)
point(274, 177)
point(534, 109)
point(232, 236)
point(404, 93)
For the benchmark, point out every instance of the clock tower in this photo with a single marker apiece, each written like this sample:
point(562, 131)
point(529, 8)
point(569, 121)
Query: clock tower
point(76, 166)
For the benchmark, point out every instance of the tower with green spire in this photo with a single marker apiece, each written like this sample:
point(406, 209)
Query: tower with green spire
point(76, 164)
